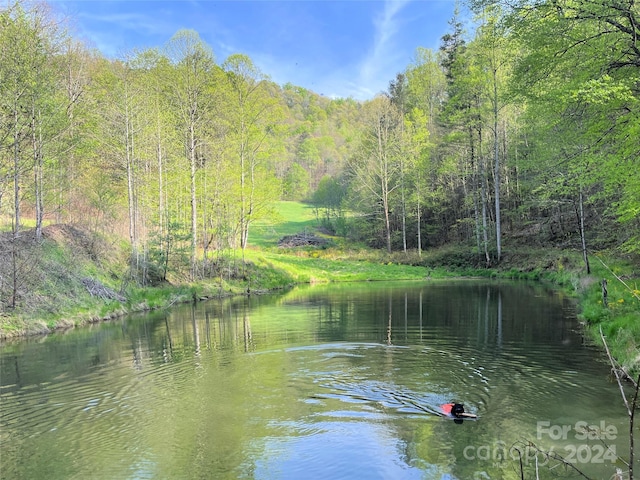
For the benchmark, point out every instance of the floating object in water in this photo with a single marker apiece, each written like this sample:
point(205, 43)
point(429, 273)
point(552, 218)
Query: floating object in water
point(456, 410)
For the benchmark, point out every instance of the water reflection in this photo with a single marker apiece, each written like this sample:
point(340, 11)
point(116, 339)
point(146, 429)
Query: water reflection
point(331, 382)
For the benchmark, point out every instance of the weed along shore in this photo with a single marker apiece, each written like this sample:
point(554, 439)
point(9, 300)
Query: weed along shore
point(84, 278)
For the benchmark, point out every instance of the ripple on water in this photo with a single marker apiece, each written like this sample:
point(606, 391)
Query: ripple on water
point(419, 379)
point(81, 410)
point(270, 408)
point(357, 378)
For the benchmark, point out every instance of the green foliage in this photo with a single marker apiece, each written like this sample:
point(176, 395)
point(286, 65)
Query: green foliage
point(168, 253)
point(115, 133)
point(139, 299)
point(296, 183)
point(619, 316)
point(328, 200)
point(534, 114)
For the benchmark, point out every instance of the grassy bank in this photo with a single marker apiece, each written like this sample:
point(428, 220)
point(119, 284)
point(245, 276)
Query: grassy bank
point(618, 316)
point(73, 278)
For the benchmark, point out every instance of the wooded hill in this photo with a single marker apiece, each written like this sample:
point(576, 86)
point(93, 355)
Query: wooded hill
point(524, 133)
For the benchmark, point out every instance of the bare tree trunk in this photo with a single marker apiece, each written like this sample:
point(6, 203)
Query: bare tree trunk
point(419, 222)
point(496, 166)
point(474, 177)
point(483, 199)
point(205, 224)
point(194, 213)
point(404, 209)
point(630, 407)
point(160, 175)
point(387, 223)
point(36, 138)
point(16, 174)
point(130, 180)
point(582, 232)
point(14, 271)
point(485, 239)
point(16, 210)
point(243, 206)
point(385, 206)
point(384, 183)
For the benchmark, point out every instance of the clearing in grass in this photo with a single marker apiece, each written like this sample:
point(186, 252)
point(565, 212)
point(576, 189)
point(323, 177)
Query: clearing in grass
point(289, 218)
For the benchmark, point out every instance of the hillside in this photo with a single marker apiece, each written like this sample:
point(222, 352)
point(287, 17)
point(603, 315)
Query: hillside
point(67, 275)
point(184, 156)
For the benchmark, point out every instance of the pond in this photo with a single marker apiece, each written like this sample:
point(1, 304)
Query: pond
point(325, 382)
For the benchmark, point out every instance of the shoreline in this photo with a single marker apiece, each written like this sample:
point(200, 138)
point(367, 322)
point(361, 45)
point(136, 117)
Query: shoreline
point(270, 271)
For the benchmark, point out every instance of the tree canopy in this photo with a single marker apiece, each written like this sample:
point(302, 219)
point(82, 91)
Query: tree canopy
point(522, 132)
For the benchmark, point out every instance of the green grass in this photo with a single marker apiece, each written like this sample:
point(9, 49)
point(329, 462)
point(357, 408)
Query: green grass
point(620, 318)
point(290, 218)
point(58, 298)
point(308, 268)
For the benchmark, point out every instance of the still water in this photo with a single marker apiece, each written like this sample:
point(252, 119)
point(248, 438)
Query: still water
point(325, 382)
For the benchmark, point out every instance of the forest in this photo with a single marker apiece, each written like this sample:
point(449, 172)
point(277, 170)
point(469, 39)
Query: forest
point(521, 129)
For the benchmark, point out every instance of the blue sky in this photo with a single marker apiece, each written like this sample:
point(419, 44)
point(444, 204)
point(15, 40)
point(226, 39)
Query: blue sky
point(338, 48)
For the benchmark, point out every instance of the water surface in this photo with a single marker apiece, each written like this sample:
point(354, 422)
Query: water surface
point(328, 382)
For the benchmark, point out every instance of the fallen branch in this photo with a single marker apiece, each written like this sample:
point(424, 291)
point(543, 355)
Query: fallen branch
point(549, 455)
point(631, 408)
point(97, 289)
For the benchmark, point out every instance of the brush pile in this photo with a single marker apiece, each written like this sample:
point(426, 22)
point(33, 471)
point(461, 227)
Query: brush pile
point(303, 239)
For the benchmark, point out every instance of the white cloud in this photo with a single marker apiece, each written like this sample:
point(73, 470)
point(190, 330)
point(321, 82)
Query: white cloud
point(382, 57)
point(114, 33)
point(135, 22)
point(338, 49)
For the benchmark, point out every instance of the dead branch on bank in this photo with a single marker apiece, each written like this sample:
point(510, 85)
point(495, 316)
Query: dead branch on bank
point(97, 289)
point(548, 455)
point(621, 375)
point(631, 290)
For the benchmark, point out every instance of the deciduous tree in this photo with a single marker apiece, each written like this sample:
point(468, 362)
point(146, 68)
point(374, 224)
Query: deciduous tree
point(252, 116)
point(376, 167)
point(191, 90)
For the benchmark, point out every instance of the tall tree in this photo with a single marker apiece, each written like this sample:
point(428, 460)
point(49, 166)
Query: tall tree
point(29, 109)
point(15, 77)
point(494, 57)
point(426, 85)
point(191, 94)
point(18, 42)
point(398, 92)
point(120, 93)
point(376, 167)
point(463, 111)
point(158, 146)
point(585, 55)
point(252, 116)
point(426, 95)
point(74, 62)
point(416, 149)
